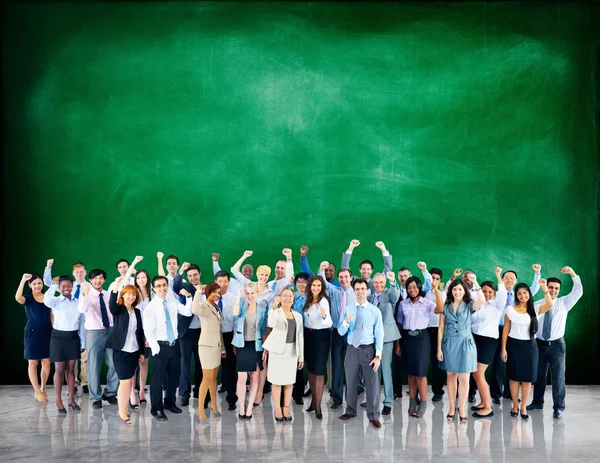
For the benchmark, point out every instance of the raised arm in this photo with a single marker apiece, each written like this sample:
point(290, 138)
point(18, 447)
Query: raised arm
point(215, 263)
point(131, 269)
point(439, 303)
point(19, 295)
point(455, 275)
point(185, 309)
point(501, 294)
point(330, 288)
point(347, 255)
point(387, 257)
point(289, 264)
point(48, 272)
point(197, 307)
point(236, 304)
point(547, 299)
point(50, 300)
point(427, 280)
point(112, 302)
point(272, 317)
point(81, 305)
point(304, 261)
point(394, 291)
point(480, 297)
point(235, 270)
point(537, 274)
point(344, 323)
point(571, 299)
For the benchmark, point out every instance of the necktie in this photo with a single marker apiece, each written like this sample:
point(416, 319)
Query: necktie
point(273, 284)
point(547, 324)
point(103, 312)
point(357, 326)
point(342, 303)
point(220, 304)
point(170, 334)
point(509, 299)
point(76, 296)
point(376, 301)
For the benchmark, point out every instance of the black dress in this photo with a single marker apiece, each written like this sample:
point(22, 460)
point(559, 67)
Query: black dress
point(38, 329)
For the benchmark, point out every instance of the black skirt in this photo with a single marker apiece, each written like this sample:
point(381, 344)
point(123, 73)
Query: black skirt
point(125, 363)
point(36, 344)
point(486, 348)
point(316, 350)
point(522, 362)
point(248, 358)
point(64, 346)
point(415, 353)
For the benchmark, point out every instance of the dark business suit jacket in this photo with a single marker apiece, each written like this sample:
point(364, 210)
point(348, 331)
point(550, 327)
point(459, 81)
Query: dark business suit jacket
point(118, 333)
point(183, 322)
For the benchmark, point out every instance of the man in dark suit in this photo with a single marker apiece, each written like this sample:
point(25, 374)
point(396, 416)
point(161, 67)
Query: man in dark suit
point(385, 300)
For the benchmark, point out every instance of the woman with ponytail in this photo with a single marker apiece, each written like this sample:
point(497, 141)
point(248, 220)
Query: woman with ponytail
point(519, 349)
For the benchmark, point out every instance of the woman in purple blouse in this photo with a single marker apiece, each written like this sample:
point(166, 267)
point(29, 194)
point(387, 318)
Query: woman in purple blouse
point(413, 319)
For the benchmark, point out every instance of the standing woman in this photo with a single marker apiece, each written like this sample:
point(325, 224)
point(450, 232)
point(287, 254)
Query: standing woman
point(456, 347)
point(285, 349)
point(37, 332)
point(519, 348)
point(67, 340)
point(126, 338)
point(144, 287)
point(317, 334)
point(413, 320)
point(211, 348)
point(484, 325)
point(250, 325)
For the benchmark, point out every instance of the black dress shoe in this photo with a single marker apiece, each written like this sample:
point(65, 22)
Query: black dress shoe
point(386, 410)
point(471, 399)
point(185, 401)
point(231, 407)
point(97, 405)
point(311, 408)
point(476, 409)
point(478, 415)
point(112, 400)
point(524, 416)
point(173, 408)
point(299, 401)
point(319, 415)
point(86, 390)
point(397, 396)
point(75, 408)
point(62, 411)
point(496, 400)
point(557, 415)
point(437, 397)
point(221, 389)
point(363, 404)
point(306, 393)
point(159, 415)
point(336, 405)
point(535, 406)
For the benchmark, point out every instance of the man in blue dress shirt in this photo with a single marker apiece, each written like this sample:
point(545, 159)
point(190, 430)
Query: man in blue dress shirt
point(364, 325)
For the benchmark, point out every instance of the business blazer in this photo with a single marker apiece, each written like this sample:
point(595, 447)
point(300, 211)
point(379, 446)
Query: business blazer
point(387, 266)
point(183, 322)
point(118, 333)
point(210, 318)
point(275, 342)
point(239, 323)
point(387, 306)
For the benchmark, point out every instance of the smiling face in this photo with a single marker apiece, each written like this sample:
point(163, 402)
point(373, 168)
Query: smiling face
point(379, 283)
point(404, 275)
point(223, 283)
point(193, 277)
point(214, 296)
point(553, 289)
point(345, 279)
point(36, 285)
point(466, 278)
point(141, 279)
point(263, 277)
point(522, 295)
point(129, 298)
point(330, 273)
point(412, 290)
point(97, 282)
point(172, 266)
point(247, 271)
point(66, 288)
point(161, 287)
point(458, 292)
point(315, 288)
point(79, 273)
point(488, 293)
point(280, 270)
point(122, 268)
point(287, 298)
point(510, 280)
point(250, 294)
point(365, 271)
point(360, 290)
point(301, 285)
point(435, 280)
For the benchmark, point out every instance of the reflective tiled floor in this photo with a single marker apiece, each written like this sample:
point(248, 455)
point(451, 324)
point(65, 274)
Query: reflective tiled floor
point(31, 431)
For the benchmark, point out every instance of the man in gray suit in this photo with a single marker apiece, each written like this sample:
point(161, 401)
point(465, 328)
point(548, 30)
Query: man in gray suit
point(385, 300)
point(366, 266)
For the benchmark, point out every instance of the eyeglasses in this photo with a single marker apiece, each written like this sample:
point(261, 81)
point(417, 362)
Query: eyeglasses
point(161, 286)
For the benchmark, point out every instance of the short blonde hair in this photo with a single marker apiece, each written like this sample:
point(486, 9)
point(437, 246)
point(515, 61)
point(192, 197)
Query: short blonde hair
point(263, 269)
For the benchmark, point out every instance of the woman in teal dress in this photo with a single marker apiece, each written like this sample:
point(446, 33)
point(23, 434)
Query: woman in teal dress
point(456, 347)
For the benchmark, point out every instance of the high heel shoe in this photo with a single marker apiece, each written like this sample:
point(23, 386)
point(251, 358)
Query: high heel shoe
point(216, 413)
point(279, 420)
point(524, 416)
point(287, 418)
point(514, 414)
point(121, 420)
point(319, 414)
point(134, 406)
point(62, 411)
point(311, 408)
point(40, 397)
point(75, 407)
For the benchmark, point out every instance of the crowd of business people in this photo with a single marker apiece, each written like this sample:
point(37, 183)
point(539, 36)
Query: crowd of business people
point(264, 335)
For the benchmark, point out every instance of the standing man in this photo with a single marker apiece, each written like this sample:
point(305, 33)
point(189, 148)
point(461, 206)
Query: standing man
point(188, 333)
point(340, 298)
point(228, 364)
point(160, 328)
point(437, 374)
point(172, 267)
point(125, 272)
point(551, 343)
point(509, 278)
point(329, 271)
point(385, 300)
point(366, 266)
point(79, 274)
point(234, 285)
point(364, 327)
point(300, 281)
point(98, 322)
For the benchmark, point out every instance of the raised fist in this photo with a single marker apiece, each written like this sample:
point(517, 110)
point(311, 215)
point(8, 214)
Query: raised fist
point(49, 263)
point(303, 250)
point(247, 253)
point(422, 266)
point(215, 256)
point(390, 276)
point(537, 268)
point(160, 255)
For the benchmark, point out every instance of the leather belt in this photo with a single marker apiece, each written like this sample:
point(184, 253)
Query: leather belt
point(167, 343)
point(551, 343)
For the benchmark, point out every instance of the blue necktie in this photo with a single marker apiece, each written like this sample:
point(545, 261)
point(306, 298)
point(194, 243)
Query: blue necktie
point(509, 299)
point(76, 296)
point(170, 334)
point(103, 312)
point(220, 304)
point(358, 324)
point(547, 327)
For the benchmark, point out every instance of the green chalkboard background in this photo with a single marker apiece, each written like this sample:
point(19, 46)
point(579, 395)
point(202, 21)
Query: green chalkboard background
point(459, 134)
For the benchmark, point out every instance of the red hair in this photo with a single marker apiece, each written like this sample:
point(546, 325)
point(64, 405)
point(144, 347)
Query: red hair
point(129, 289)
